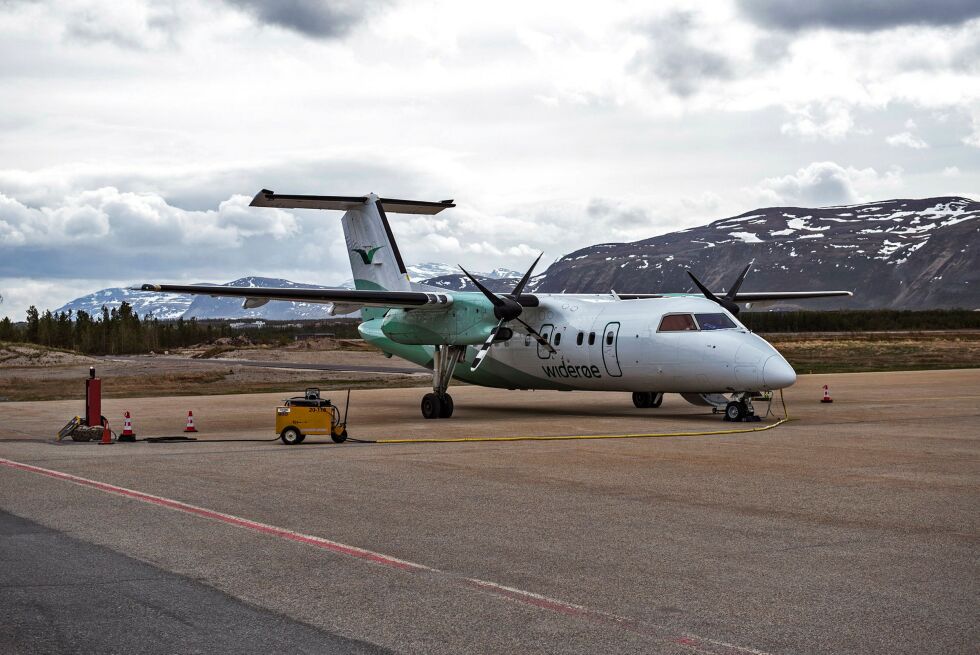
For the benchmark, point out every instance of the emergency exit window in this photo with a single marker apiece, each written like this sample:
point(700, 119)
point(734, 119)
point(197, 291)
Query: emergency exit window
point(677, 323)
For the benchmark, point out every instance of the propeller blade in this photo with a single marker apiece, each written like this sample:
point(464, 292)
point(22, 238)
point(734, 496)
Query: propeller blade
point(485, 348)
point(537, 337)
point(491, 296)
point(704, 289)
point(515, 294)
point(738, 283)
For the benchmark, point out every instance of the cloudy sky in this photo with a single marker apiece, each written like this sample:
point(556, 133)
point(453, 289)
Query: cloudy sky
point(132, 135)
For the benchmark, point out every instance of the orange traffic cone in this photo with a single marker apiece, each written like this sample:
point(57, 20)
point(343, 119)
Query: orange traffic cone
point(127, 433)
point(190, 422)
point(106, 435)
point(826, 395)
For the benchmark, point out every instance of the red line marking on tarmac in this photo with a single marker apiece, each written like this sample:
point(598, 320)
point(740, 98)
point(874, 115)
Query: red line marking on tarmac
point(700, 644)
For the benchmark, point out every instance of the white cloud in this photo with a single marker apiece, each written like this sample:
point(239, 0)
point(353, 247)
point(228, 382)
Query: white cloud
point(906, 139)
point(973, 139)
point(951, 171)
point(140, 222)
point(824, 183)
point(131, 131)
point(831, 121)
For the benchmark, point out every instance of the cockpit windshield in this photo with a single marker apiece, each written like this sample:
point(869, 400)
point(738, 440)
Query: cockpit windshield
point(678, 323)
point(715, 322)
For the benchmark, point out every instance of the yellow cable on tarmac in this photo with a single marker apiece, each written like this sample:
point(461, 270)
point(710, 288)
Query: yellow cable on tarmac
point(652, 435)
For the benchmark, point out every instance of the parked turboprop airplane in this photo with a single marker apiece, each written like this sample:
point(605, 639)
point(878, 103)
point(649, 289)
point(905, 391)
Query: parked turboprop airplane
point(644, 343)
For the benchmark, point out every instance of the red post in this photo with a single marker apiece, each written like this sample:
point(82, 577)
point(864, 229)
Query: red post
point(93, 399)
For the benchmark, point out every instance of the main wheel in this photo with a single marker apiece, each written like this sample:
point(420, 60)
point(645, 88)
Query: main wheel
point(445, 406)
point(431, 406)
point(291, 436)
point(339, 438)
point(642, 399)
point(736, 411)
point(658, 399)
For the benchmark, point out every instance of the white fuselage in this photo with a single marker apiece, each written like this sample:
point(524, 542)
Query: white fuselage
point(603, 343)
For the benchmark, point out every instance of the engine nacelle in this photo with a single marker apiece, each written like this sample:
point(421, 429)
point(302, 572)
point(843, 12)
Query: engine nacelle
point(467, 322)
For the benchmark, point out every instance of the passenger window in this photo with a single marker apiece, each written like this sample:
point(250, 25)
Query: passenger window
point(715, 321)
point(591, 338)
point(609, 338)
point(557, 338)
point(580, 338)
point(677, 323)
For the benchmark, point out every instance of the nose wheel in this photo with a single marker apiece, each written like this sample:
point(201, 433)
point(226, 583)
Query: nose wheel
point(741, 410)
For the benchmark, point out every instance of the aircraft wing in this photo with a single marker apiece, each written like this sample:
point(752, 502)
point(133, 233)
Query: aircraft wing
point(354, 299)
point(751, 296)
point(759, 296)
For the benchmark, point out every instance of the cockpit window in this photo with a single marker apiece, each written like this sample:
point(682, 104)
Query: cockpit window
point(677, 323)
point(715, 321)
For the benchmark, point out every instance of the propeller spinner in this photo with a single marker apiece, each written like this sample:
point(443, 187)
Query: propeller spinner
point(728, 300)
point(506, 308)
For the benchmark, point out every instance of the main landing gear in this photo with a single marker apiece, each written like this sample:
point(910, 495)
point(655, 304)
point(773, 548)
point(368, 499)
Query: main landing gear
point(439, 404)
point(646, 399)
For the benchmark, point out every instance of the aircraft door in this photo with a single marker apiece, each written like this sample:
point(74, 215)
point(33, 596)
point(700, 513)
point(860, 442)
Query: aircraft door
point(546, 331)
point(610, 350)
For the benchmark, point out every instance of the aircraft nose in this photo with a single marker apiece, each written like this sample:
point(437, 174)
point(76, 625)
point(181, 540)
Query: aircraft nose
point(777, 373)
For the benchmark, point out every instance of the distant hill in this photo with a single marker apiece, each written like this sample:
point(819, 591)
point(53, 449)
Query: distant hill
point(444, 275)
point(175, 305)
point(898, 254)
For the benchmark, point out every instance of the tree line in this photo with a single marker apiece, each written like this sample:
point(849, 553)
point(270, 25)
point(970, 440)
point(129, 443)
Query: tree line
point(121, 331)
point(117, 331)
point(866, 320)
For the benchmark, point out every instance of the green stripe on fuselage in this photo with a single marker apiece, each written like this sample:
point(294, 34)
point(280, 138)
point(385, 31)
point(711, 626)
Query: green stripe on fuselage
point(492, 373)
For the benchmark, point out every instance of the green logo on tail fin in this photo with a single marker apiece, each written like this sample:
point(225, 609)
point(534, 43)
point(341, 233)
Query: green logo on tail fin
point(367, 254)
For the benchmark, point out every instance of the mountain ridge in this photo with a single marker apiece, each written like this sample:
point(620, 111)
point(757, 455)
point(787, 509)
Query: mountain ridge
point(891, 253)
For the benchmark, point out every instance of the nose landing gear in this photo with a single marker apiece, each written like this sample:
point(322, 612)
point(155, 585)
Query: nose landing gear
point(740, 409)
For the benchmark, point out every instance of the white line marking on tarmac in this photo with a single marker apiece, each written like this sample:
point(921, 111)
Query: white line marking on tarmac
point(693, 642)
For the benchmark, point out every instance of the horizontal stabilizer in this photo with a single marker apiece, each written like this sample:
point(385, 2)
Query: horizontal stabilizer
point(266, 198)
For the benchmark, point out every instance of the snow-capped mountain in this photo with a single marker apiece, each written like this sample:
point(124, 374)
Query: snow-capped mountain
point(161, 305)
point(209, 307)
point(429, 271)
point(459, 282)
point(175, 305)
point(901, 254)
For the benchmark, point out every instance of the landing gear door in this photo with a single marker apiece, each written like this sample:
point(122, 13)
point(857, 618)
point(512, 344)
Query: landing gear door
point(610, 350)
point(546, 331)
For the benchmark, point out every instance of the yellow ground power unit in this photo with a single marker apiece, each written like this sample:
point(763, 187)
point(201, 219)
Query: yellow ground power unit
point(309, 414)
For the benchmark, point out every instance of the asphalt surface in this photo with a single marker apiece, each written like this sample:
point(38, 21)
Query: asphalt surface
point(63, 595)
point(851, 530)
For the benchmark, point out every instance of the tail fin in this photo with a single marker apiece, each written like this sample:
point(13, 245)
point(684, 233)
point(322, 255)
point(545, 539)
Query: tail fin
point(374, 257)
